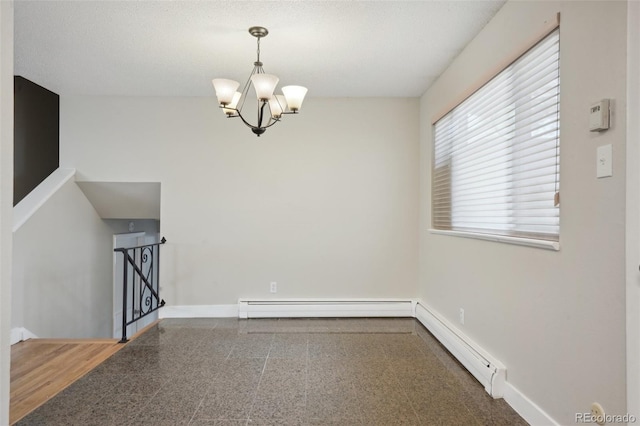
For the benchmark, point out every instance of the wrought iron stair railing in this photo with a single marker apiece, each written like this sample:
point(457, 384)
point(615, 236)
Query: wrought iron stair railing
point(141, 291)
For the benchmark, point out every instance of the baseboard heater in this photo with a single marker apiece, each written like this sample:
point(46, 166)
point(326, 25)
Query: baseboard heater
point(488, 371)
point(306, 308)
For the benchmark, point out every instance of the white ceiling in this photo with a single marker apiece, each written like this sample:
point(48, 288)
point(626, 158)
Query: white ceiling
point(175, 48)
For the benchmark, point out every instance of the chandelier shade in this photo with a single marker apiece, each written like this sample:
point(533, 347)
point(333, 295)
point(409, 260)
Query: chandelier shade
point(265, 85)
point(294, 95)
point(231, 107)
point(225, 90)
point(270, 107)
point(278, 105)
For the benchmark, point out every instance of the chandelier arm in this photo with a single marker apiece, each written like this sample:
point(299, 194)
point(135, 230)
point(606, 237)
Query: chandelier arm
point(243, 119)
point(245, 89)
point(257, 69)
point(261, 113)
point(272, 121)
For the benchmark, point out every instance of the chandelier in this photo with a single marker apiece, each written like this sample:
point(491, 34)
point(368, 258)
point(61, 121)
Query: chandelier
point(270, 107)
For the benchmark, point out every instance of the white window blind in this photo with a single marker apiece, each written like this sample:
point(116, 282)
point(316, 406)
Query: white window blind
point(496, 154)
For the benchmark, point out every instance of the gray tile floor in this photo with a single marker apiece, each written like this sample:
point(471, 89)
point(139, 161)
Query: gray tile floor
point(278, 372)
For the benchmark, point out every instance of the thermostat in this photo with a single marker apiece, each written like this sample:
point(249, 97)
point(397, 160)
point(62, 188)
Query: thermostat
point(599, 116)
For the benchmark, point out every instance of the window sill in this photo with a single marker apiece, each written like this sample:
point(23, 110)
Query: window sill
point(529, 242)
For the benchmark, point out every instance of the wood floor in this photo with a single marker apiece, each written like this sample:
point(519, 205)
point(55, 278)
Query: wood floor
point(40, 368)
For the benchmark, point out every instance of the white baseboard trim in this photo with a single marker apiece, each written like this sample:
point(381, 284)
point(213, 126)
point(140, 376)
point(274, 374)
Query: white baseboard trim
point(198, 311)
point(527, 409)
point(18, 334)
point(484, 367)
point(324, 308)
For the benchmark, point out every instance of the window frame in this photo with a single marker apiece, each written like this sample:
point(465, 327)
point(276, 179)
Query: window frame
point(541, 240)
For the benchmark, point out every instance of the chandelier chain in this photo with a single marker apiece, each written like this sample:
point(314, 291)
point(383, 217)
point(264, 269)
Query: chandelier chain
point(258, 49)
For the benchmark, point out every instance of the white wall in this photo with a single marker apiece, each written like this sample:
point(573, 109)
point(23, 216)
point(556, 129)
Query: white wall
point(121, 226)
point(633, 209)
point(325, 203)
point(62, 269)
point(555, 319)
point(6, 199)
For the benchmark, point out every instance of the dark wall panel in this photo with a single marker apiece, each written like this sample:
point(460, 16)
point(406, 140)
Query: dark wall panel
point(36, 140)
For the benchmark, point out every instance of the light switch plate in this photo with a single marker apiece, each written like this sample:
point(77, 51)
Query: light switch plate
point(604, 160)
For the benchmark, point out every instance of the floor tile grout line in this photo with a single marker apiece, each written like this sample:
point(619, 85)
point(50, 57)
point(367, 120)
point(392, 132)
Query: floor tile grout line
point(306, 379)
point(264, 367)
point(200, 403)
point(402, 389)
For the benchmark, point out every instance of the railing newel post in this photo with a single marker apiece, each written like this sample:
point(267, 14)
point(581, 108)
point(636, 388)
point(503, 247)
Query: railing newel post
point(124, 299)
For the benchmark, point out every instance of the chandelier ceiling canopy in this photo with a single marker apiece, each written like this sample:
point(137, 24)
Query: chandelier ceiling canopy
point(270, 107)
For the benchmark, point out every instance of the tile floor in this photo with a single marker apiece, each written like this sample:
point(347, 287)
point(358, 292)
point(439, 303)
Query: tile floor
point(278, 372)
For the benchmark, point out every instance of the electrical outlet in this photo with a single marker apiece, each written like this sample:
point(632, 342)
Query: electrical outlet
point(461, 316)
point(274, 287)
point(597, 413)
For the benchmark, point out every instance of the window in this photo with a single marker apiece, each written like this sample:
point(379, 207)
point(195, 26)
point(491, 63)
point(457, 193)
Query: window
point(496, 154)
